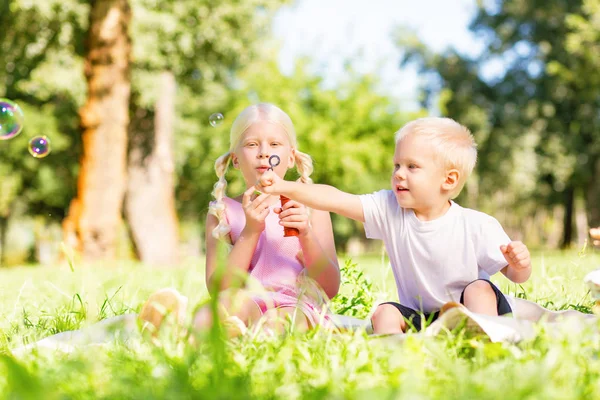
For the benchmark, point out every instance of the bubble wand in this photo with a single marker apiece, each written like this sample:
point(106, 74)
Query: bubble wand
point(274, 161)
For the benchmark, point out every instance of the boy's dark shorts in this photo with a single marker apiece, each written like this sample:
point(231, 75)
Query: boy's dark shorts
point(414, 318)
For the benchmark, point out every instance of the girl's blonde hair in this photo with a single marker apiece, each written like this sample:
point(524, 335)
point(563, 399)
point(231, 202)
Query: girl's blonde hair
point(452, 143)
point(249, 116)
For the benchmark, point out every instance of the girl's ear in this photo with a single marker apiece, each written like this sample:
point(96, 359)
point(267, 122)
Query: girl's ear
point(234, 161)
point(451, 180)
point(292, 159)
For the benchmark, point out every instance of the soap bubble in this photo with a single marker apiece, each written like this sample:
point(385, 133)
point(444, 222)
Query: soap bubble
point(11, 119)
point(39, 146)
point(216, 119)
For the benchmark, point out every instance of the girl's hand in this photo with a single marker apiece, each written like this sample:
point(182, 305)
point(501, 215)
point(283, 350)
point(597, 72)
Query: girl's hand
point(517, 255)
point(294, 215)
point(256, 210)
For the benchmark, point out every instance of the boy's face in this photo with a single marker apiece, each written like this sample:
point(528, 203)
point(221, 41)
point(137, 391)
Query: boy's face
point(418, 177)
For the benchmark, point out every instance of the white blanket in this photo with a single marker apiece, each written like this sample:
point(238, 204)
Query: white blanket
point(519, 326)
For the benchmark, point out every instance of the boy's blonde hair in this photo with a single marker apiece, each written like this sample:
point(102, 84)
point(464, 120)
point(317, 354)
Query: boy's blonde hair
point(249, 116)
point(452, 143)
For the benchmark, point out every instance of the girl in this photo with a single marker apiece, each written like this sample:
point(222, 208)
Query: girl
point(252, 225)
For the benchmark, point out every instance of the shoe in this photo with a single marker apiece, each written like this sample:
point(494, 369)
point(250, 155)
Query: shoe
point(450, 305)
point(595, 234)
point(234, 326)
point(159, 305)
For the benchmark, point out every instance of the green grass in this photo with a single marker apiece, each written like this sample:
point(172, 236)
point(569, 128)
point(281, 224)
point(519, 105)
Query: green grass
point(38, 301)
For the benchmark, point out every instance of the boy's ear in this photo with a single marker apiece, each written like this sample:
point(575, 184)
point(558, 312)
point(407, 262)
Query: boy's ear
point(451, 180)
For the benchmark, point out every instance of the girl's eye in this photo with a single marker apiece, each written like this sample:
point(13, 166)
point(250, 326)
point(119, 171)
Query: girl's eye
point(275, 144)
point(251, 144)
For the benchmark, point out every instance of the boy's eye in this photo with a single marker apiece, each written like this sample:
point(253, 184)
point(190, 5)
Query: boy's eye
point(412, 166)
point(396, 166)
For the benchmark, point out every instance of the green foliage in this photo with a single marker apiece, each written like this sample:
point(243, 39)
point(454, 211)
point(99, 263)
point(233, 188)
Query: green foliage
point(43, 74)
point(356, 297)
point(534, 122)
point(201, 43)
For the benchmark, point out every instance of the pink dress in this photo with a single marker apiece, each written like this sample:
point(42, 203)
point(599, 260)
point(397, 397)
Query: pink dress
point(277, 265)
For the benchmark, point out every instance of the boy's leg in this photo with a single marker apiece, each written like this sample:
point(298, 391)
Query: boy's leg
point(392, 317)
point(483, 297)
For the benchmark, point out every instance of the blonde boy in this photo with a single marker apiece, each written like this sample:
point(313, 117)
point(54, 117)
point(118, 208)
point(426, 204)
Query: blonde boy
point(438, 250)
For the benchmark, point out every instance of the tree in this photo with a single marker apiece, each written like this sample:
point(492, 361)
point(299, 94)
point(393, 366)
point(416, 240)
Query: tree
point(201, 44)
point(96, 211)
point(192, 50)
point(534, 122)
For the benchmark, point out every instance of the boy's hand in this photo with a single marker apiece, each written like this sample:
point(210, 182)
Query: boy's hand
point(270, 183)
point(517, 255)
point(255, 209)
point(294, 215)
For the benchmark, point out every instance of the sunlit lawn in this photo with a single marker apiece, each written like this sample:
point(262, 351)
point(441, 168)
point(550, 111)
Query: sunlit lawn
point(39, 301)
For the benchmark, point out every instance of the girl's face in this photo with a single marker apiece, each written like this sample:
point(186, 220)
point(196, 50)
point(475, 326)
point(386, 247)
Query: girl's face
point(259, 142)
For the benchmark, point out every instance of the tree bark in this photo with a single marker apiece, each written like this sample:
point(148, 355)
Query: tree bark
point(150, 199)
point(592, 198)
point(95, 214)
point(568, 217)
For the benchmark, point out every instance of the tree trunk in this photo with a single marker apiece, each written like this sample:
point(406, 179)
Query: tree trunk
point(150, 199)
point(592, 197)
point(95, 214)
point(568, 217)
point(3, 232)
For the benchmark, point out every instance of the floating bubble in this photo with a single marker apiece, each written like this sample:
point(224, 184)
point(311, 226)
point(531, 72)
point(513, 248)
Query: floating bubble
point(216, 119)
point(39, 146)
point(11, 119)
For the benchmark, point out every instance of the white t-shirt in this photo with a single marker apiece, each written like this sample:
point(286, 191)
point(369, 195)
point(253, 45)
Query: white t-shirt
point(433, 261)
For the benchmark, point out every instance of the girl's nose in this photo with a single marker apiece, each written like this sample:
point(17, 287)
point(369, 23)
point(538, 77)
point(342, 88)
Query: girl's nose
point(263, 152)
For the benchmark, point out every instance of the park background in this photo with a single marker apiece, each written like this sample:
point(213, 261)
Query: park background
point(131, 169)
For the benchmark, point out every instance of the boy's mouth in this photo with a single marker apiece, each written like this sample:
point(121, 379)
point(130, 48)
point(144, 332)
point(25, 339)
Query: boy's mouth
point(401, 189)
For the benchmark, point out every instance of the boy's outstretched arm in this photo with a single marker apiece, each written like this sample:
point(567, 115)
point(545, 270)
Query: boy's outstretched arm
point(319, 197)
point(517, 255)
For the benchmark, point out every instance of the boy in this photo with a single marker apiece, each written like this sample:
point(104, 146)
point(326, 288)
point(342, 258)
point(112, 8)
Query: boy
point(437, 249)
